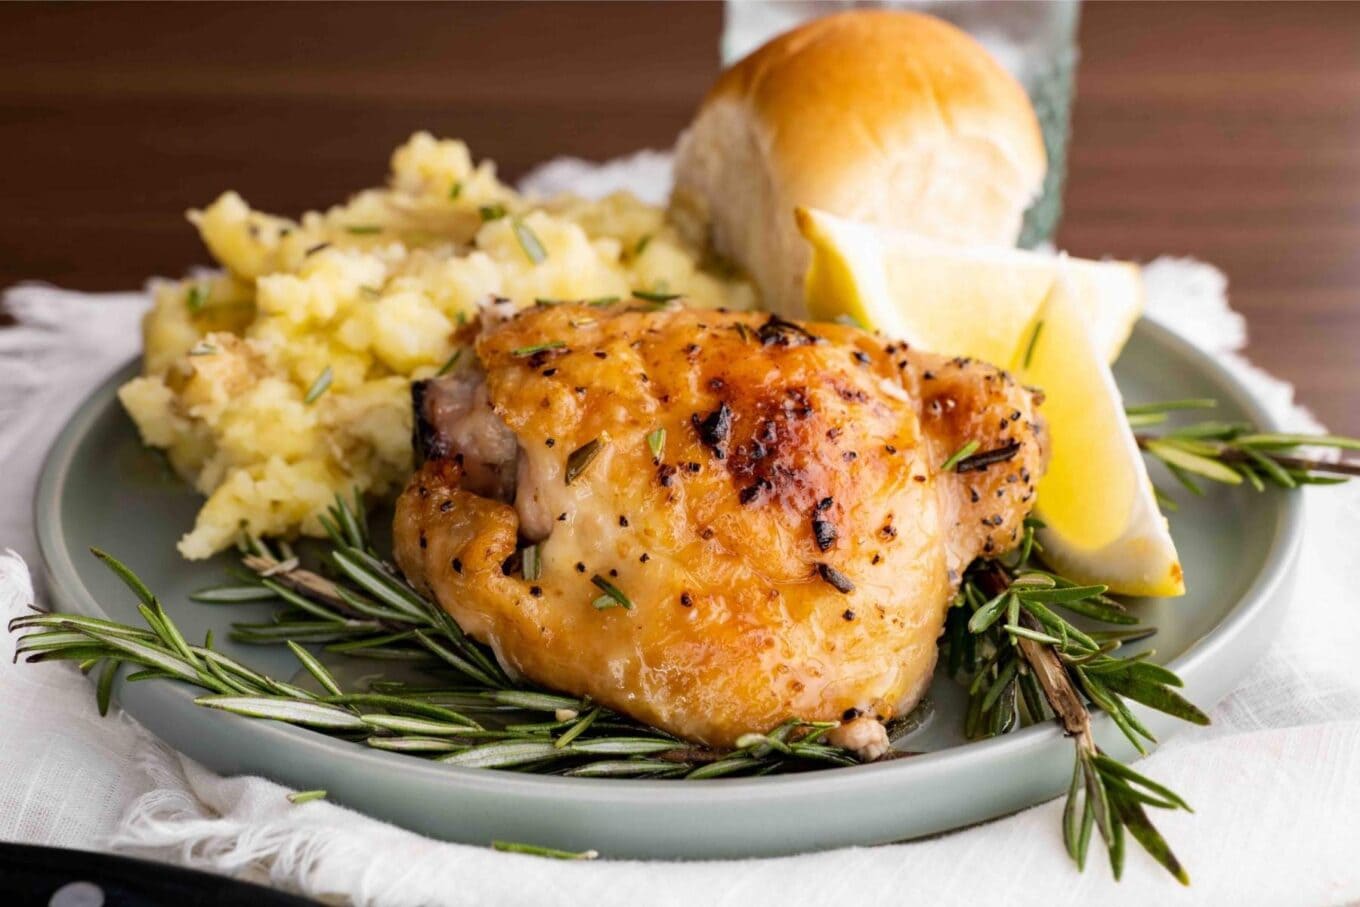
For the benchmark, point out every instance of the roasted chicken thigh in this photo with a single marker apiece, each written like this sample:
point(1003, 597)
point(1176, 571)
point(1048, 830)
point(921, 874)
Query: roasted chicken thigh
point(735, 519)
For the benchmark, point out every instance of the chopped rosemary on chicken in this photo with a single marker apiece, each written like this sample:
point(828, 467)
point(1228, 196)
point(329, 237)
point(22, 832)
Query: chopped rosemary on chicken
point(611, 592)
point(580, 458)
point(959, 456)
point(526, 351)
point(656, 443)
point(531, 562)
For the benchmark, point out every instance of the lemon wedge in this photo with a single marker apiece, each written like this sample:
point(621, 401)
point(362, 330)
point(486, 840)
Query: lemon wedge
point(1102, 522)
point(969, 301)
point(1057, 323)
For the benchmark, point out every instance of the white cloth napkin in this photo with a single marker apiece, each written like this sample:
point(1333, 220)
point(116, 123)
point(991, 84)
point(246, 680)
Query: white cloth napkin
point(1275, 781)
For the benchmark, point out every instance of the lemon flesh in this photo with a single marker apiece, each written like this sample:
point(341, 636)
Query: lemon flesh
point(969, 301)
point(1057, 323)
point(1102, 522)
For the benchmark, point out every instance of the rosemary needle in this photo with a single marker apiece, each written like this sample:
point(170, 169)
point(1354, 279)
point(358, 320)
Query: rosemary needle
point(534, 850)
point(529, 242)
point(611, 592)
point(656, 443)
point(196, 298)
point(581, 458)
point(959, 455)
point(1143, 409)
point(1033, 342)
point(319, 386)
point(449, 363)
point(306, 796)
point(531, 561)
point(654, 296)
point(526, 351)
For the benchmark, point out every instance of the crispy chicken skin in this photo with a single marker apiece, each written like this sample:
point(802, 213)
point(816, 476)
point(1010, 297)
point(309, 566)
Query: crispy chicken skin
point(791, 551)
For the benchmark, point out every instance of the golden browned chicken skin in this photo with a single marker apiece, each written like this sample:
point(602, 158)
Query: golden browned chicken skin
point(789, 551)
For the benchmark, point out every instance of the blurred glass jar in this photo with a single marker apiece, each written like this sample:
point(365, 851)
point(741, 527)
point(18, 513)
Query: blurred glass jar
point(1035, 41)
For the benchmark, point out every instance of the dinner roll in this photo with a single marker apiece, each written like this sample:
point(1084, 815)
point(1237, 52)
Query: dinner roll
point(891, 117)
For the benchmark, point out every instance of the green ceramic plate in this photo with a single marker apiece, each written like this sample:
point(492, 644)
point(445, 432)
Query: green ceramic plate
point(101, 487)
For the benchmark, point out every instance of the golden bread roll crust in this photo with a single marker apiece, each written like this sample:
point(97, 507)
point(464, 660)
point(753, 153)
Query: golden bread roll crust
point(889, 117)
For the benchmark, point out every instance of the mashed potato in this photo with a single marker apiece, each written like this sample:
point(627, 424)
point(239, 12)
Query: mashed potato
point(285, 379)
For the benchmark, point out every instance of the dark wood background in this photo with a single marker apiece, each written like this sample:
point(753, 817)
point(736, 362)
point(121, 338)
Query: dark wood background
point(1228, 132)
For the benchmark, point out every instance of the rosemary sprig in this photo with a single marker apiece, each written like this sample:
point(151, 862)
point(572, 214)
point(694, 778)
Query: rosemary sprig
point(469, 714)
point(1232, 453)
point(1025, 662)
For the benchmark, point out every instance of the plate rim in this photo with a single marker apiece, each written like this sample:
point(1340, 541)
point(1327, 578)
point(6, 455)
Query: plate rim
point(1274, 570)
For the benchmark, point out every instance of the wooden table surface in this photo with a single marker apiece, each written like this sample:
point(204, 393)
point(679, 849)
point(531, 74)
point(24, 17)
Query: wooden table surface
point(1223, 131)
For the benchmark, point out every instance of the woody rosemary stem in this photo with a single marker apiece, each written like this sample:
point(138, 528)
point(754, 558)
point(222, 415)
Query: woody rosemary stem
point(1057, 685)
point(1105, 796)
point(1052, 675)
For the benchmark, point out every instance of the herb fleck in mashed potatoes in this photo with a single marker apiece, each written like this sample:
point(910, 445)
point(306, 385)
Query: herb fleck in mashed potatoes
point(285, 379)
